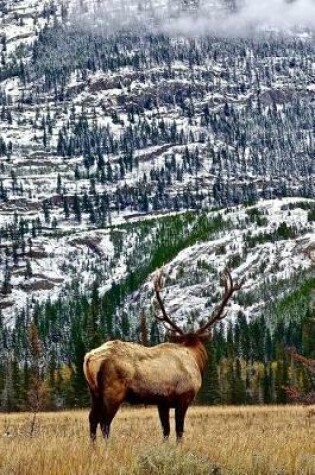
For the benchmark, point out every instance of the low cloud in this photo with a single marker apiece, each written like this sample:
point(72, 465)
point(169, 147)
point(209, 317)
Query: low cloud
point(211, 17)
point(251, 16)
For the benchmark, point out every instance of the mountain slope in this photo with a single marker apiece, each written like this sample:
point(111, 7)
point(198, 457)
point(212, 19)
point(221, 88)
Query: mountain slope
point(270, 245)
point(100, 127)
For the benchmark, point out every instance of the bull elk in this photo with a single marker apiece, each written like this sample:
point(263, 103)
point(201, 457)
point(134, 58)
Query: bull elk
point(168, 375)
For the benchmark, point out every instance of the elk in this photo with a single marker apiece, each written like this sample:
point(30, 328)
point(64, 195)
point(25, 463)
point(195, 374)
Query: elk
point(168, 375)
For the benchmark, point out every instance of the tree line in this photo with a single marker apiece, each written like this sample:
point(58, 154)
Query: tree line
point(248, 360)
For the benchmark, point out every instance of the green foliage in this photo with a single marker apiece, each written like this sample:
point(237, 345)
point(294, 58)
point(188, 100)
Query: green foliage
point(210, 389)
point(296, 304)
point(256, 216)
point(285, 232)
point(311, 216)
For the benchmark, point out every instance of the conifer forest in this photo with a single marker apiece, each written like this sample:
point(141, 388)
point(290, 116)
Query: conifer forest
point(148, 138)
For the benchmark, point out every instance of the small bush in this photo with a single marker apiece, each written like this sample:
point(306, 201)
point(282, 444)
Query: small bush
point(174, 461)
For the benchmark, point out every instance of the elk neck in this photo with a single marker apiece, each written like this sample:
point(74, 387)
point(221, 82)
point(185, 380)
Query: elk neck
point(196, 346)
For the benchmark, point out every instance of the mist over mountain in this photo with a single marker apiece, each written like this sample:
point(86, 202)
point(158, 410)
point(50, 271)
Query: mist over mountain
point(195, 17)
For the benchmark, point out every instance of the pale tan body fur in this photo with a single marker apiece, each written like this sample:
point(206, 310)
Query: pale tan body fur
point(158, 371)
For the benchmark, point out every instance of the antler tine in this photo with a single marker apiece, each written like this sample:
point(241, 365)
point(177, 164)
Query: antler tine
point(229, 278)
point(226, 282)
point(158, 282)
point(219, 313)
point(165, 319)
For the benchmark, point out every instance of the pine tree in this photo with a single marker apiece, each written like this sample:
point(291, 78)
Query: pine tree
point(17, 382)
point(66, 209)
point(77, 393)
point(7, 400)
point(238, 389)
point(77, 208)
point(210, 389)
point(7, 286)
point(28, 270)
point(52, 371)
point(308, 335)
point(93, 330)
point(281, 377)
point(59, 184)
point(267, 384)
point(227, 378)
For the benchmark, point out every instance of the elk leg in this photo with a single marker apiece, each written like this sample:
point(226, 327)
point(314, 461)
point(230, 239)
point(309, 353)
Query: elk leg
point(94, 415)
point(94, 420)
point(108, 415)
point(105, 428)
point(164, 413)
point(180, 412)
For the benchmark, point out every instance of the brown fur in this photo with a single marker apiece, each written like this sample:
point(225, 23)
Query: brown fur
point(168, 375)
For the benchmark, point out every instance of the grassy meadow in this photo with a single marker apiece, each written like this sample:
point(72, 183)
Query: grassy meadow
point(220, 440)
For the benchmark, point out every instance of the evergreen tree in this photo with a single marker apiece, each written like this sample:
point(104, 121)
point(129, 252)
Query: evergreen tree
point(267, 384)
point(7, 400)
point(210, 390)
point(238, 390)
point(93, 329)
point(281, 377)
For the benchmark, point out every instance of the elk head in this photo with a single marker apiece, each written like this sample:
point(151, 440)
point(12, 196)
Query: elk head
point(219, 313)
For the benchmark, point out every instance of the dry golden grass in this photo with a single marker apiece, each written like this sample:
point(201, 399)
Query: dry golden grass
point(253, 441)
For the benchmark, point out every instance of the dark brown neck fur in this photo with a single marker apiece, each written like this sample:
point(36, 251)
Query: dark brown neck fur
point(195, 344)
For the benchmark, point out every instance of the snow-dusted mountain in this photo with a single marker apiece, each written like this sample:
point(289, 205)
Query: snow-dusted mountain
point(102, 127)
point(270, 246)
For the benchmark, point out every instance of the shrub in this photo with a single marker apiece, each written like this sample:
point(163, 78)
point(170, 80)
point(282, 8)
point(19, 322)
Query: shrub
point(167, 460)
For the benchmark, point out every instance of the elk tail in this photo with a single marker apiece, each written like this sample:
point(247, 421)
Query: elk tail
point(90, 376)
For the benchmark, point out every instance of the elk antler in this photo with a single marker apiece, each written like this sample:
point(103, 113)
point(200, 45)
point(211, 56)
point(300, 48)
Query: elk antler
point(165, 319)
point(219, 313)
